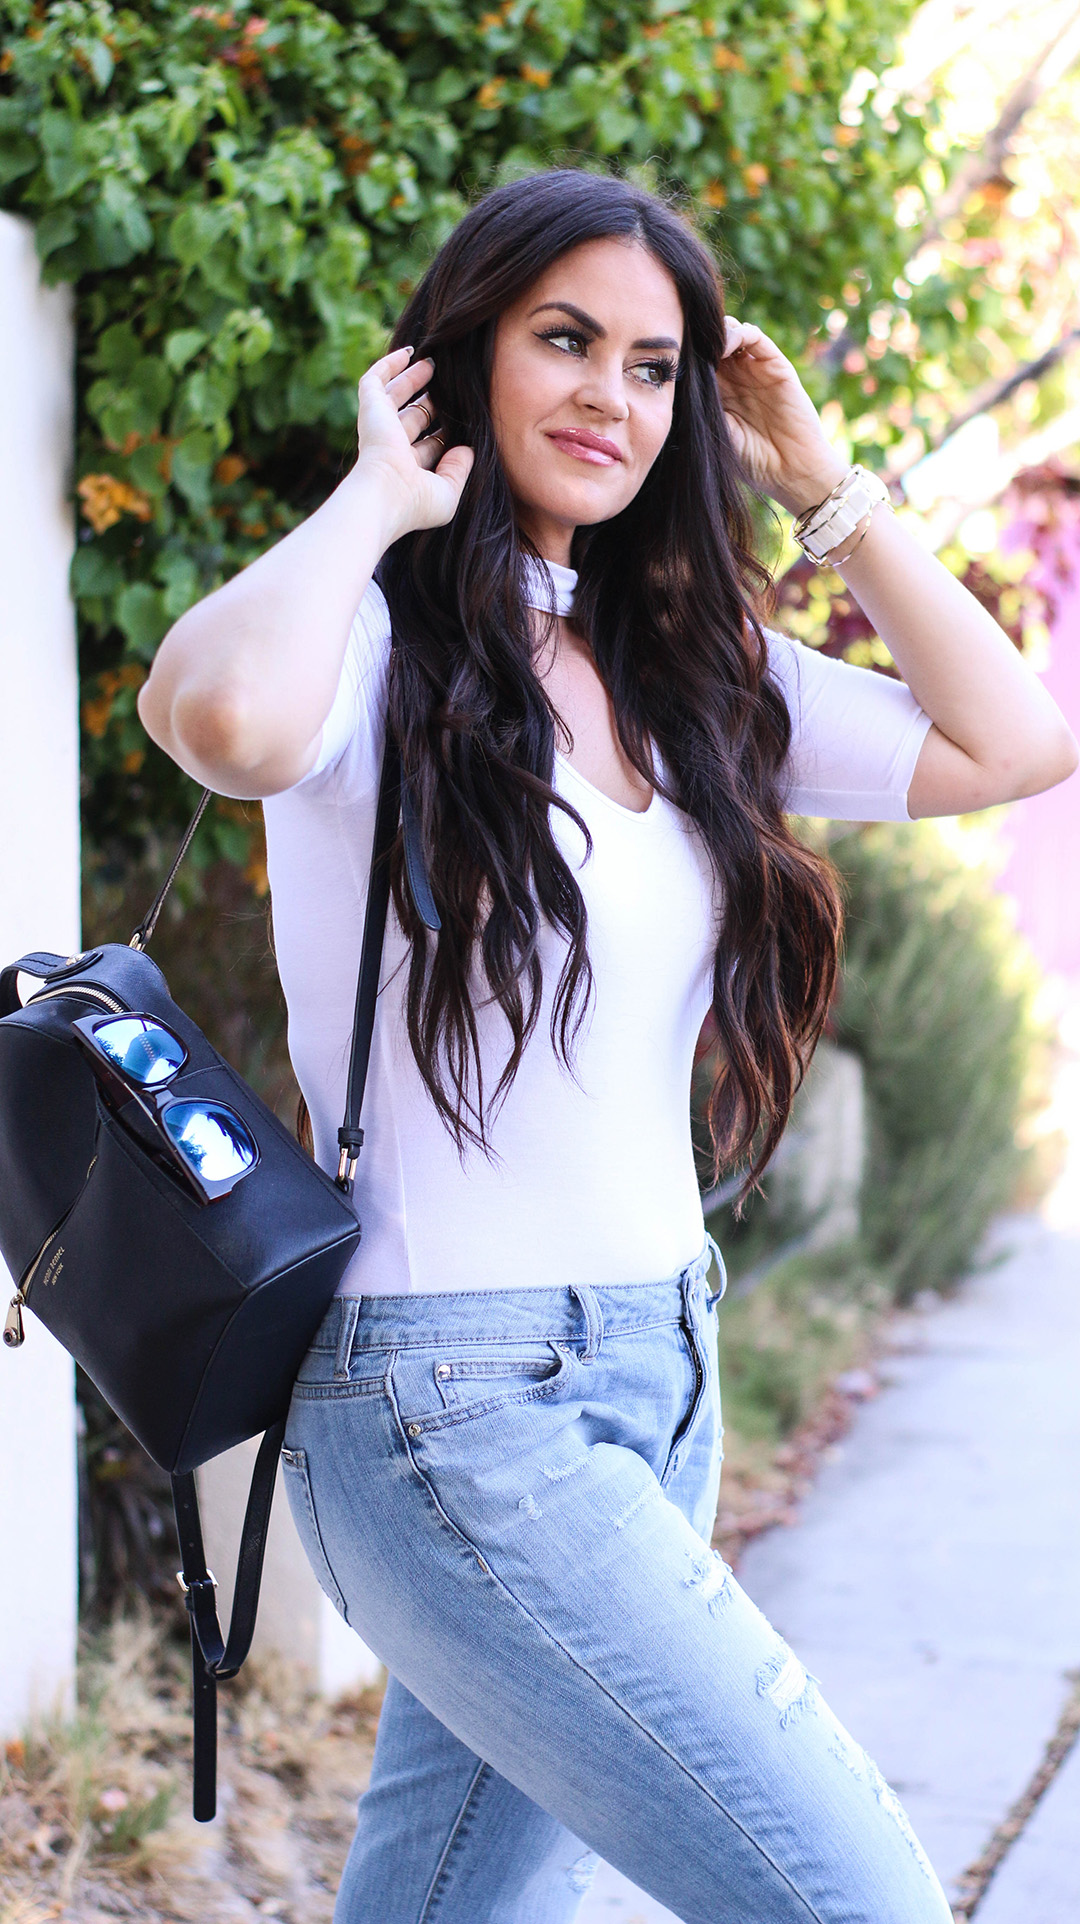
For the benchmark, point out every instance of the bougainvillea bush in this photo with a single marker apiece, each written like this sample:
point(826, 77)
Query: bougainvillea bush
point(243, 200)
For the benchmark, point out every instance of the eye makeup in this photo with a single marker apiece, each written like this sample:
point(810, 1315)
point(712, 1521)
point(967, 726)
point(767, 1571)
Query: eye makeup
point(662, 368)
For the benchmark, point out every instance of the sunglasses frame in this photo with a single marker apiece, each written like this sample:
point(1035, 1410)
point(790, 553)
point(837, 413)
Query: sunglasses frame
point(121, 1093)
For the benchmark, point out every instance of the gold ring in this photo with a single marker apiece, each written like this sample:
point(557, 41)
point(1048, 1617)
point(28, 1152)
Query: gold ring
point(428, 416)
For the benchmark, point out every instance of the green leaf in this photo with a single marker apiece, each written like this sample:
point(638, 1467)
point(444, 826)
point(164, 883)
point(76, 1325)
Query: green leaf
point(94, 571)
point(206, 397)
point(193, 233)
point(142, 618)
point(102, 65)
point(179, 576)
point(182, 345)
point(118, 348)
point(57, 228)
point(192, 466)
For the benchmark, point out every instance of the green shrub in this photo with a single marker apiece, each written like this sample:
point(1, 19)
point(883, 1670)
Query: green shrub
point(937, 998)
point(243, 200)
point(938, 1001)
point(781, 1345)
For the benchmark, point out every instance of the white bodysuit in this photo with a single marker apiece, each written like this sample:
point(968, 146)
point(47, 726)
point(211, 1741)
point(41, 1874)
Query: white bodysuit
point(593, 1177)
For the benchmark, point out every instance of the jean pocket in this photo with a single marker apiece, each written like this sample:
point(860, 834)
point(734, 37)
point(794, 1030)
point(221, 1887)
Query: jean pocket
point(457, 1386)
point(294, 1466)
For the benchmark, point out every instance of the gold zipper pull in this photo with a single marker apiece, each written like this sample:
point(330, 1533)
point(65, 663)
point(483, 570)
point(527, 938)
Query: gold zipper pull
point(14, 1333)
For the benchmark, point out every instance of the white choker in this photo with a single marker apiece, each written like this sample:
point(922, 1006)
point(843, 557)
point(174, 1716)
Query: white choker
point(547, 585)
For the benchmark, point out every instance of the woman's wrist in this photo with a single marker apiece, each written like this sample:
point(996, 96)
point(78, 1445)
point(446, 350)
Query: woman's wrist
point(799, 493)
point(379, 498)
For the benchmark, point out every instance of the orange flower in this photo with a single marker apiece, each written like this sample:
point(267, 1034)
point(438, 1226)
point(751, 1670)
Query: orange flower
point(536, 76)
point(715, 194)
point(357, 154)
point(245, 58)
point(97, 711)
point(726, 57)
point(845, 136)
point(105, 499)
point(229, 469)
point(755, 177)
point(489, 94)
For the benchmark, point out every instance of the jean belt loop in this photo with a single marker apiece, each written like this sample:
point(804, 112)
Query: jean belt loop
point(594, 1321)
point(716, 1294)
point(350, 1311)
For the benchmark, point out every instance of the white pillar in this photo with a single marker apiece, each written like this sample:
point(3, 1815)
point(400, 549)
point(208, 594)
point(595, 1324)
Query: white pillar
point(39, 909)
point(295, 1619)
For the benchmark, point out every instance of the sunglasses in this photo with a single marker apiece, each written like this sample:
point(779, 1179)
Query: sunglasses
point(134, 1059)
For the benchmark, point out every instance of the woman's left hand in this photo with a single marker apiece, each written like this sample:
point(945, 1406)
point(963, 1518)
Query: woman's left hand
point(774, 424)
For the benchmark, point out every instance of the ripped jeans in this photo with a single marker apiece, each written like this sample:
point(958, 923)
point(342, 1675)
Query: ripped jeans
point(509, 1495)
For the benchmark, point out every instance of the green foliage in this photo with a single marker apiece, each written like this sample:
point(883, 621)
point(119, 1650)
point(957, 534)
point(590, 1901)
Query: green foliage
point(244, 200)
point(938, 1000)
point(781, 1345)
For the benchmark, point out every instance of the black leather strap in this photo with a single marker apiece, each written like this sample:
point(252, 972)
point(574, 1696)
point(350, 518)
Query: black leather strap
point(39, 963)
point(388, 808)
point(212, 1657)
point(145, 930)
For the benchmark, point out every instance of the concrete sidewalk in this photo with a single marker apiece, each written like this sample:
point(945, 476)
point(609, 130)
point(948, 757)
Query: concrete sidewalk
point(932, 1583)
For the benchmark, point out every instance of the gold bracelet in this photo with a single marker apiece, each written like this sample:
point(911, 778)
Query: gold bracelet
point(806, 520)
point(832, 522)
point(840, 560)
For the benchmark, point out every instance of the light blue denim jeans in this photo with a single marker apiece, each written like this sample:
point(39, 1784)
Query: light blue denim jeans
point(509, 1495)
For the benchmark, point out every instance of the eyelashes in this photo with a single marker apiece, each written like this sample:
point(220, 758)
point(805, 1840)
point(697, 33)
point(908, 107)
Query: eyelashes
point(662, 366)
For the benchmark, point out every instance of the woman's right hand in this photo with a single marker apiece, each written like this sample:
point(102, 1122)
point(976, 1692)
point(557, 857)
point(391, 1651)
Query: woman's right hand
point(400, 448)
point(245, 679)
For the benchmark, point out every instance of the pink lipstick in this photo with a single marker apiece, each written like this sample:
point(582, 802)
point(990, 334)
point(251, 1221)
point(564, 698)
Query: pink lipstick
point(583, 445)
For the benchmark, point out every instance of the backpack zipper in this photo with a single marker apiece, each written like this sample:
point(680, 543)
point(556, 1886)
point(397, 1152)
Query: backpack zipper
point(14, 1328)
point(14, 1333)
point(88, 989)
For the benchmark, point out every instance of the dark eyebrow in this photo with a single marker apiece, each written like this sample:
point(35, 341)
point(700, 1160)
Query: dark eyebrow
point(585, 320)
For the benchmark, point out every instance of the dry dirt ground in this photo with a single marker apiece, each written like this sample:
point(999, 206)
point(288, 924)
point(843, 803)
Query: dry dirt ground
point(94, 1821)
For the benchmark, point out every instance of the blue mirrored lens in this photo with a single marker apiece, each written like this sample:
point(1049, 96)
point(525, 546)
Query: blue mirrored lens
point(145, 1050)
point(211, 1139)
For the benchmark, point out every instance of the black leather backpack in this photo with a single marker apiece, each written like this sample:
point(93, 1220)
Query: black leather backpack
point(170, 1232)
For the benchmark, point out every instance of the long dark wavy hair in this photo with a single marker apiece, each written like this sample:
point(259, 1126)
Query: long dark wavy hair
point(668, 599)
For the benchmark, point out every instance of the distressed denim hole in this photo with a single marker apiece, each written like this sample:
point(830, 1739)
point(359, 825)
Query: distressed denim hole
point(784, 1681)
point(709, 1576)
point(644, 1496)
point(558, 1472)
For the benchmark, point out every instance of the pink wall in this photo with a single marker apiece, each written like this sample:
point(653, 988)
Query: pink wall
point(1042, 833)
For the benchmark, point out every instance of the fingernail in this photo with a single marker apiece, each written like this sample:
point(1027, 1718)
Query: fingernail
point(409, 350)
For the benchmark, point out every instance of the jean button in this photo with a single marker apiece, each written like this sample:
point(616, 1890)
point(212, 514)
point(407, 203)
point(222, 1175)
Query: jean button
point(414, 1429)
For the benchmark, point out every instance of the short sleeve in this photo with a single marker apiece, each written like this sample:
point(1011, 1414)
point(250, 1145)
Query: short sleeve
point(855, 735)
point(351, 743)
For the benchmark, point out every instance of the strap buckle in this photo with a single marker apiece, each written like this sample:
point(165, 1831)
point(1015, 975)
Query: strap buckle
point(197, 1583)
point(351, 1141)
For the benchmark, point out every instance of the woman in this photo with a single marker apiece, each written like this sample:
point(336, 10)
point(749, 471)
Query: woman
point(504, 1446)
